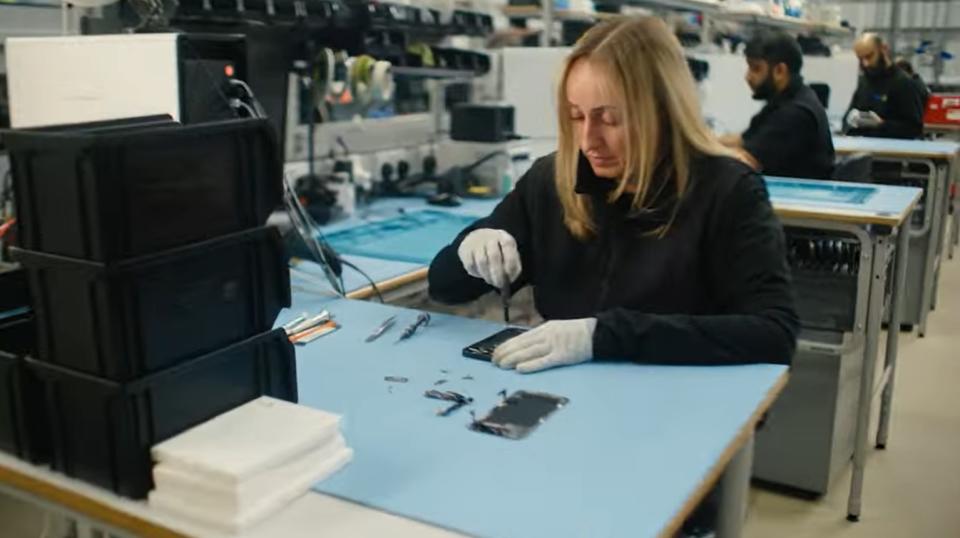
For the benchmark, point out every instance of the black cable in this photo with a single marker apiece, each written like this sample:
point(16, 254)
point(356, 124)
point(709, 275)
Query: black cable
point(366, 276)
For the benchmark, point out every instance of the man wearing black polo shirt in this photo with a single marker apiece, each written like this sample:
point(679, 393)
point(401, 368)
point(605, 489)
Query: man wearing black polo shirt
point(790, 136)
point(887, 103)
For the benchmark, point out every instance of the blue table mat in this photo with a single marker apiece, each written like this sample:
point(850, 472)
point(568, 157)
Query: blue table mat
point(827, 192)
point(620, 460)
point(879, 200)
point(413, 237)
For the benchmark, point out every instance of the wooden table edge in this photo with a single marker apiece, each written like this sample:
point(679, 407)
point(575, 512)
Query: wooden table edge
point(844, 215)
point(938, 156)
point(715, 472)
point(389, 284)
point(81, 504)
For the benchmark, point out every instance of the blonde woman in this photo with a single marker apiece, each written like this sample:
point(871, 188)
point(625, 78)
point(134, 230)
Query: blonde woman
point(644, 239)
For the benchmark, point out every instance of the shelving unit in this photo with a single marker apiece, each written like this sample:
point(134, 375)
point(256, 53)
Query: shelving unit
point(712, 10)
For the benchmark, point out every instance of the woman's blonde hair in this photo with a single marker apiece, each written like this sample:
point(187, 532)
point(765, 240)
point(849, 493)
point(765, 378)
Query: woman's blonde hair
point(665, 130)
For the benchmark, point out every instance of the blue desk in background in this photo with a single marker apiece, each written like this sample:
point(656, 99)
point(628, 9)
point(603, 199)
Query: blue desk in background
point(821, 421)
point(932, 165)
point(393, 241)
point(631, 455)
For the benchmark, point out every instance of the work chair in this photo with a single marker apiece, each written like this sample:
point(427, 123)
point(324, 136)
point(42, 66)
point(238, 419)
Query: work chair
point(855, 168)
point(823, 93)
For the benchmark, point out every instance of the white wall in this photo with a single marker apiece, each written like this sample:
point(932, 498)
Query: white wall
point(529, 84)
point(530, 76)
point(927, 16)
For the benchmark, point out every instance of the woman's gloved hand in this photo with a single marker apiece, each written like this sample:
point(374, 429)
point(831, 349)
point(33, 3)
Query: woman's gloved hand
point(555, 343)
point(491, 255)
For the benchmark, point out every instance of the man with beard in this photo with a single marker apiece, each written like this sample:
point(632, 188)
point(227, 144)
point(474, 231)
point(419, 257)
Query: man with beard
point(887, 103)
point(790, 136)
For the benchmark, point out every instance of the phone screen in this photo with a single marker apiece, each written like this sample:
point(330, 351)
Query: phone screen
point(519, 414)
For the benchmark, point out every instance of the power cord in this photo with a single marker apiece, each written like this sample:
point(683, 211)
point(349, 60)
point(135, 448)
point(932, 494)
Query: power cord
point(310, 234)
point(367, 277)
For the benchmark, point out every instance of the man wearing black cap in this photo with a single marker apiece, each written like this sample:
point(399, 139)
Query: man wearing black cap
point(790, 136)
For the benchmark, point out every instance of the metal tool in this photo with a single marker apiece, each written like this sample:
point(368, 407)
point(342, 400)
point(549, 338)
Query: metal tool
point(459, 400)
point(308, 323)
point(294, 322)
point(422, 320)
point(505, 291)
point(306, 336)
point(382, 328)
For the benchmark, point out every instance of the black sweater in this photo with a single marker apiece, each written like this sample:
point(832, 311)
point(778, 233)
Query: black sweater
point(715, 290)
point(895, 98)
point(791, 136)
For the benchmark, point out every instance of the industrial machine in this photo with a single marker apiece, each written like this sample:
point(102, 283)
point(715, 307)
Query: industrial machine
point(190, 77)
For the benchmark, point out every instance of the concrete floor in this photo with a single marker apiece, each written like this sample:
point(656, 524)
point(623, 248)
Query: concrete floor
point(911, 490)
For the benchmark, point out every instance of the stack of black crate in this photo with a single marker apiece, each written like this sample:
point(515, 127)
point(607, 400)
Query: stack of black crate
point(154, 284)
point(21, 405)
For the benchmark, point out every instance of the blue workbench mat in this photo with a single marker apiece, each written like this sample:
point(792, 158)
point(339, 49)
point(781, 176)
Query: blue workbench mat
point(413, 237)
point(828, 192)
point(620, 460)
point(880, 200)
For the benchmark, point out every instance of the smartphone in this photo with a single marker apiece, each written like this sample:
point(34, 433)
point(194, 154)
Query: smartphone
point(519, 414)
point(483, 350)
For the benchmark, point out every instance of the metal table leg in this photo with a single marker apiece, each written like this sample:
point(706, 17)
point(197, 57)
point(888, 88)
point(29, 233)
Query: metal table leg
point(942, 246)
point(954, 230)
point(953, 182)
point(734, 491)
point(871, 345)
point(893, 336)
point(936, 204)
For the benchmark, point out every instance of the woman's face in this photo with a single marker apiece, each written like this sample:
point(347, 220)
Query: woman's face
point(596, 114)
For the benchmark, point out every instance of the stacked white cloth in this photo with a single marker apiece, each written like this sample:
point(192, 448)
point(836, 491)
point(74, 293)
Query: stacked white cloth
point(239, 468)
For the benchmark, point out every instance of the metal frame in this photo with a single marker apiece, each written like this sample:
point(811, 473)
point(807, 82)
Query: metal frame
point(930, 195)
point(858, 335)
point(949, 223)
point(933, 246)
point(734, 491)
point(867, 387)
point(874, 260)
point(933, 222)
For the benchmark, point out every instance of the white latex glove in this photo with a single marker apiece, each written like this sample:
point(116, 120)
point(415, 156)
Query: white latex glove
point(853, 118)
point(555, 343)
point(870, 119)
point(491, 255)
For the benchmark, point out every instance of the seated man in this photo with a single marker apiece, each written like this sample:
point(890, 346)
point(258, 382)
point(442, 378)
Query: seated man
point(886, 103)
point(790, 136)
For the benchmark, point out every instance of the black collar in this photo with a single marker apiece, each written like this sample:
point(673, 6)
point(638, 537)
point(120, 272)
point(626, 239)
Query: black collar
point(590, 183)
point(796, 82)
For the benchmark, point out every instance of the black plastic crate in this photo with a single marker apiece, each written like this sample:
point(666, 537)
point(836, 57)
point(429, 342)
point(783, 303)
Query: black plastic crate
point(102, 431)
point(22, 411)
point(14, 294)
point(124, 320)
point(109, 191)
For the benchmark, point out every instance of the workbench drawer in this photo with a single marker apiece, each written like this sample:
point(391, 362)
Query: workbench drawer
point(22, 413)
point(125, 320)
point(102, 431)
point(116, 190)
